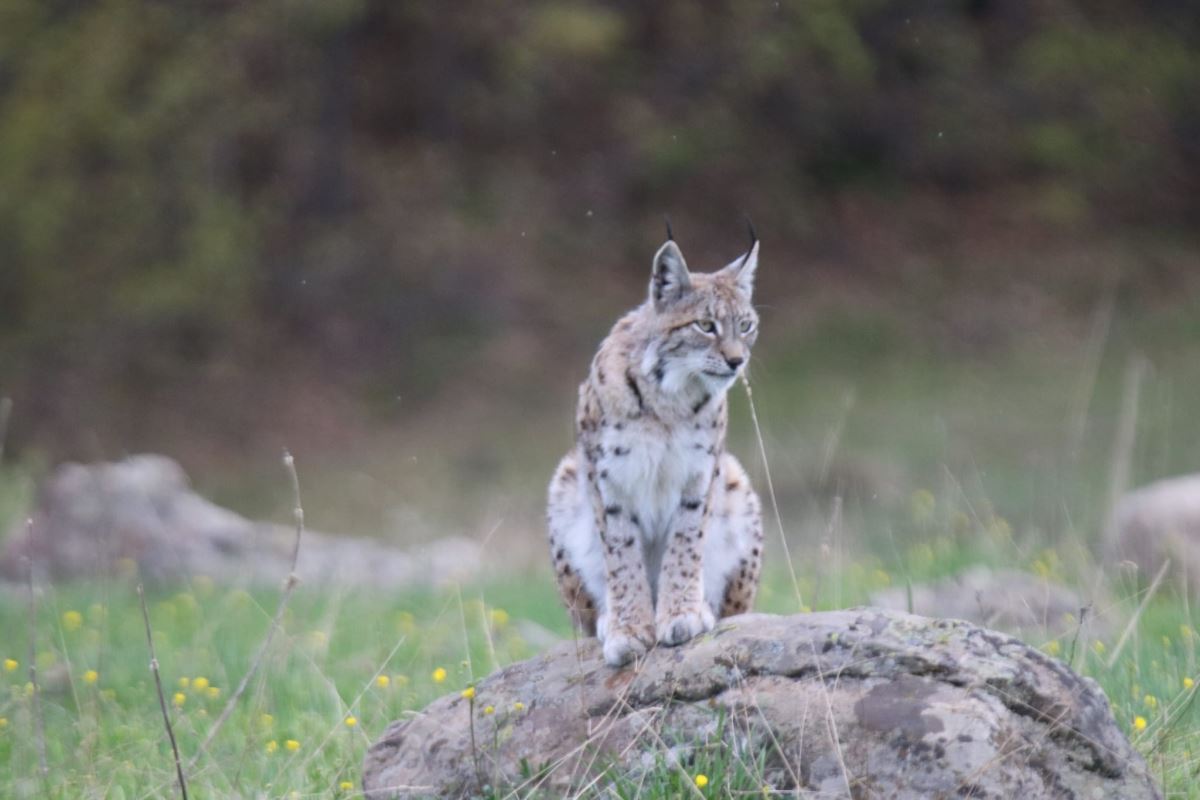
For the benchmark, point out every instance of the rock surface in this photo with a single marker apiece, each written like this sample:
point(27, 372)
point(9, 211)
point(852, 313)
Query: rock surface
point(102, 518)
point(1162, 521)
point(864, 703)
point(1017, 602)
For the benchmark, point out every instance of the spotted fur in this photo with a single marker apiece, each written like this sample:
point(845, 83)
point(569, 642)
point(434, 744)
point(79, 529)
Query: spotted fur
point(655, 530)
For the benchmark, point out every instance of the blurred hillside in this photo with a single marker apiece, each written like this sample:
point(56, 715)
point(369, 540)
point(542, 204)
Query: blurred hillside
point(224, 226)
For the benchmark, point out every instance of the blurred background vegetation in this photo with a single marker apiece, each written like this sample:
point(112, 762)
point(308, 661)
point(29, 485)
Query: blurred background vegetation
point(389, 236)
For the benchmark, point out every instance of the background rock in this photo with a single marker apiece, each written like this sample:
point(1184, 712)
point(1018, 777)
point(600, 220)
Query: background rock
point(1158, 522)
point(102, 518)
point(1017, 602)
point(912, 707)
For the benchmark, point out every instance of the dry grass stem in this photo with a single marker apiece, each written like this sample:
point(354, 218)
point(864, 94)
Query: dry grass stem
point(1097, 338)
point(350, 707)
point(289, 586)
point(1137, 615)
point(5, 412)
point(762, 451)
point(39, 726)
point(1123, 444)
point(162, 700)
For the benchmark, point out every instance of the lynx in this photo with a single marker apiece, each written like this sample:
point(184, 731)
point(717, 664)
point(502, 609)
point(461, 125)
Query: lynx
point(655, 531)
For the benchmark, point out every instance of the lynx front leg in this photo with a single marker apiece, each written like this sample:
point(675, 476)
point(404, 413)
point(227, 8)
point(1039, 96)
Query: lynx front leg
point(626, 628)
point(682, 609)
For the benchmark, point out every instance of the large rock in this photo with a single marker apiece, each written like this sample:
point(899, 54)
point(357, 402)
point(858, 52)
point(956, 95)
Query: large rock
point(100, 518)
point(864, 703)
point(1158, 522)
point(1010, 600)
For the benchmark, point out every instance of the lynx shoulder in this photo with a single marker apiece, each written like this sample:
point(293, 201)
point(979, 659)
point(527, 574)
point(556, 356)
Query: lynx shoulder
point(655, 531)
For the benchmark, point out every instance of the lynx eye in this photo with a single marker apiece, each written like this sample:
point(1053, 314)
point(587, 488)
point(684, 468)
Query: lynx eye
point(706, 326)
point(746, 325)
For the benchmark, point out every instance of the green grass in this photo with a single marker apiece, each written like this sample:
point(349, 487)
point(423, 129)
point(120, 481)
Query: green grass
point(105, 738)
point(942, 461)
point(104, 731)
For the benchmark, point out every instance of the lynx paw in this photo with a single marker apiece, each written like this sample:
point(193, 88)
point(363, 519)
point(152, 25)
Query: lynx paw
point(685, 623)
point(622, 644)
point(620, 649)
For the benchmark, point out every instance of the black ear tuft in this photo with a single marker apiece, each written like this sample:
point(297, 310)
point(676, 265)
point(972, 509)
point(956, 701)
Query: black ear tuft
point(670, 234)
point(742, 269)
point(753, 239)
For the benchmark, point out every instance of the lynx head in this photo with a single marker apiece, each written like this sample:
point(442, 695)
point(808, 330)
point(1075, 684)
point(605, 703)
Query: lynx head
point(704, 323)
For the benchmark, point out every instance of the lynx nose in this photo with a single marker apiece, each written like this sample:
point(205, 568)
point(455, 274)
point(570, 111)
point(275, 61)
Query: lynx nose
point(734, 362)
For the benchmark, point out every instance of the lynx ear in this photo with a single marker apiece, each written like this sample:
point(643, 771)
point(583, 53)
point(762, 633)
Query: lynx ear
point(742, 270)
point(669, 279)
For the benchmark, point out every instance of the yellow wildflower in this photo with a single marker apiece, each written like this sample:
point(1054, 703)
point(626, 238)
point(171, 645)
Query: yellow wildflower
point(1151, 701)
point(439, 675)
point(11, 664)
point(179, 699)
point(351, 721)
point(213, 693)
point(266, 720)
point(1052, 647)
point(922, 505)
point(3, 723)
point(467, 693)
point(1188, 683)
point(489, 710)
point(499, 617)
point(518, 706)
point(72, 620)
point(185, 682)
point(91, 676)
point(1098, 646)
point(1139, 723)
point(921, 555)
point(405, 623)
point(701, 781)
point(1000, 529)
point(383, 681)
point(200, 684)
point(292, 744)
point(272, 746)
point(346, 786)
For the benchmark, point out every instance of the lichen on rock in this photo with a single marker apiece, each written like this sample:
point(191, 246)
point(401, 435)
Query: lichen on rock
point(861, 703)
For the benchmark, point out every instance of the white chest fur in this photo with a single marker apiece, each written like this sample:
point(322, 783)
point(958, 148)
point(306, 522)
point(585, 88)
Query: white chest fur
point(657, 464)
